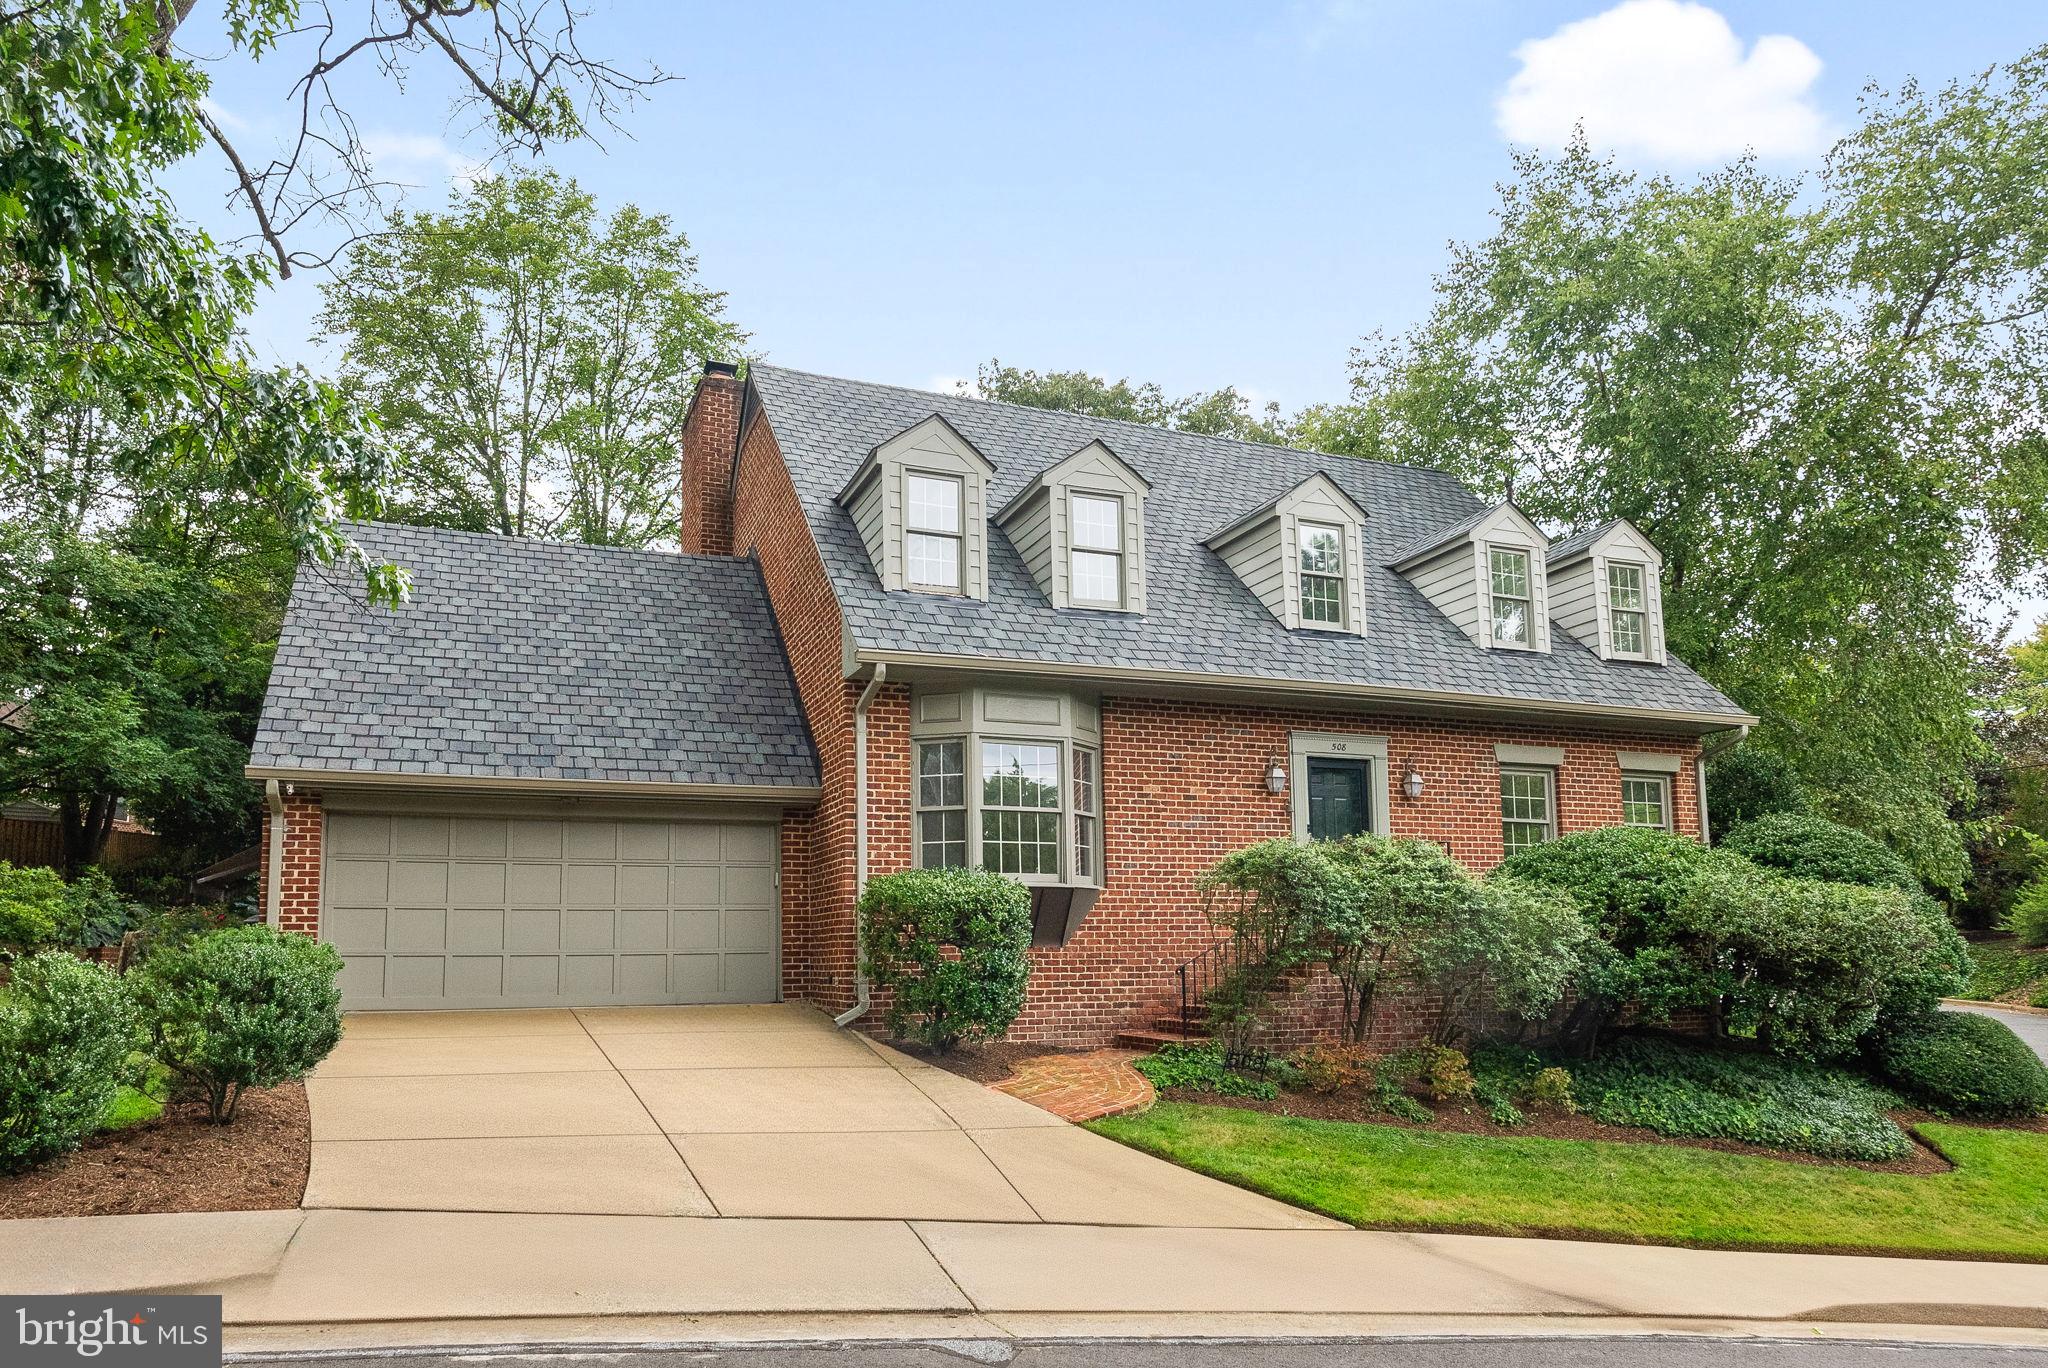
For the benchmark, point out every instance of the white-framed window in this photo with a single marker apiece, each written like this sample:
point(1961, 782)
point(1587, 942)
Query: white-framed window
point(1512, 595)
point(942, 803)
point(1628, 609)
point(932, 531)
point(1528, 807)
point(1087, 797)
point(1020, 808)
point(1646, 801)
point(1095, 535)
point(1322, 574)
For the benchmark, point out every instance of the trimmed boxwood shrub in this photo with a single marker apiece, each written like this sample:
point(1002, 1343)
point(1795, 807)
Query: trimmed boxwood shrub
point(66, 1034)
point(952, 948)
point(1816, 848)
point(33, 908)
point(246, 1007)
point(1966, 1063)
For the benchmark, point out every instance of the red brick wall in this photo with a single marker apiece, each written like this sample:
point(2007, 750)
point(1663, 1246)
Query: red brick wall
point(709, 431)
point(299, 905)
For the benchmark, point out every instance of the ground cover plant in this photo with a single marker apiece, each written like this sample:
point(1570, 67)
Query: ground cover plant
point(2006, 971)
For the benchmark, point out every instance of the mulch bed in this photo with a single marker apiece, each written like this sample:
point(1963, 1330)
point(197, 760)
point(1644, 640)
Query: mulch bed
point(1556, 1126)
point(990, 1062)
point(178, 1162)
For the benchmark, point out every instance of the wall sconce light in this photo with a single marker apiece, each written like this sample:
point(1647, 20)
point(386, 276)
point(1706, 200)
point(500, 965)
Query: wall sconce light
point(1276, 777)
point(1411, 783)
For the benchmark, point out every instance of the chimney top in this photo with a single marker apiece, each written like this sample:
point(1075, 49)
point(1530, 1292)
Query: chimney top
point(728, 369)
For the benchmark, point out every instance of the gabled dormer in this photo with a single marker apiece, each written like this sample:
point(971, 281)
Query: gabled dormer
point(1487, 575)
point(1605, 589)
point(1302, 555)
point(920, 500)
point(1080, 527)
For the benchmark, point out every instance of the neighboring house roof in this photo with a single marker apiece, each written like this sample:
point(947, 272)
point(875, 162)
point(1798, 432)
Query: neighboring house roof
point(1200, 619)
point(530, 660)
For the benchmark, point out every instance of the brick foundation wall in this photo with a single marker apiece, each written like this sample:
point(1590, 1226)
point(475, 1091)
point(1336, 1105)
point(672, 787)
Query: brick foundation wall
point(299, 901)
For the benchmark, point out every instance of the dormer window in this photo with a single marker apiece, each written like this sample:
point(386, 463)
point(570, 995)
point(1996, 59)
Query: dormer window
point(932, 532)
point(1512, 600)
point(1604, 591)
point(1322, 574)
point(1095, 533)
point(1627, 602)
point(1301, 555)
point(1080, 529)
point(918, 502)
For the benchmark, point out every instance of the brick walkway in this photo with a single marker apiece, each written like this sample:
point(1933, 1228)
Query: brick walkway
point(1081, 1087)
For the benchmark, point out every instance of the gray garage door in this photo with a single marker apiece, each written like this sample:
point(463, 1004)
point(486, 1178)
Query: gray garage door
point(432, 911)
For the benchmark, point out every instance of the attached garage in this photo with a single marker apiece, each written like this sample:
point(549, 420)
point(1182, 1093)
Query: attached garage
point(467, 911)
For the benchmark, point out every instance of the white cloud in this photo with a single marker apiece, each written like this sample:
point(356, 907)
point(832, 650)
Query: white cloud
point(951, 384)
point(405, 156)
point(1667, 80)
point(225, 117)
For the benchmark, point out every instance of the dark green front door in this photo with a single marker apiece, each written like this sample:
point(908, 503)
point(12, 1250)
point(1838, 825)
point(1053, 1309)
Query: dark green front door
point(1337, 802)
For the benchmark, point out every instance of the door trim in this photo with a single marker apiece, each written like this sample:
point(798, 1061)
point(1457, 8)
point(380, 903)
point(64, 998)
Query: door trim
point(1336, 745)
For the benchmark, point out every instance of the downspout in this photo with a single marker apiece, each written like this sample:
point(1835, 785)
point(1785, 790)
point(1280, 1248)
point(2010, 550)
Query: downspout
point(1728, 741)
point(273, 882)
point(860, 839)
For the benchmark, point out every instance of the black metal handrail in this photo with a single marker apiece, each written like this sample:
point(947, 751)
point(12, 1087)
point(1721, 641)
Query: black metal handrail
point(1208, 971)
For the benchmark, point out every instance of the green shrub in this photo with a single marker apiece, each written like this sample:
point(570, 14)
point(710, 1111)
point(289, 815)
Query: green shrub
point(245, 1007)
point(2004, 971)
point(1447, 1074)
point(1272, 897)
point(1701, 1092)
point(1201, 1068)
point(1334, 1068)
point(1963, 1062)
point(1750, 782)
point(1816, 848)
point(95, 913)
point(952, 948)
point(1552, 1088)
point(66, 1033)
point(33, 907)
point(2028, 916)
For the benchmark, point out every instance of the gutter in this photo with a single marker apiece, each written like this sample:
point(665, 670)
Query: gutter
point(273, 881)
point(860, 839)
point(1728, 741)
point(485, 783)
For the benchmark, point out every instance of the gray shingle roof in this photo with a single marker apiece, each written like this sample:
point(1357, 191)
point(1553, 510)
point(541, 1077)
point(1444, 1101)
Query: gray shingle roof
point(1565, 548)
point(1199, 617)
point(520, 659)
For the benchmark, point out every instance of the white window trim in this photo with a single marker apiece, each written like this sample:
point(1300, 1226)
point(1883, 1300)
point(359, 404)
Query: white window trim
point(1605, 588)
point(918, 807)
point(1532, 568)
point(973, 744)
point(1549, 777)
point(1345, 569)
point(1663, 782)
point(1336, 745)
point(959, 536)
point(1122, 552)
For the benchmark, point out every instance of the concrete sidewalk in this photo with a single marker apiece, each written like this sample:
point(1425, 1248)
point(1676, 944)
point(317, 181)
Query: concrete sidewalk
point(322, 1268)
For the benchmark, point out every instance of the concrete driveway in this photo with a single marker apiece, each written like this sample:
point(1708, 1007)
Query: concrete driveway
point(756, 1111)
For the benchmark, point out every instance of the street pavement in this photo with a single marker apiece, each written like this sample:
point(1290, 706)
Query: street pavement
point(2028, 1026)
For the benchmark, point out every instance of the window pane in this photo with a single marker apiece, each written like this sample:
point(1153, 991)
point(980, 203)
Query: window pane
point(933, 561)
point(1525, 817)
point(1643, 802)
point(1510, 573)
point(1097, 523)
point(1322, 549)
point(942, 839)
point(942, 774)
point(1625, 587)
point(1628, 633)
point(1020, 776)
point(1084, 848)
point(1084, 780)
point(1510, 621)
point(1086, 797)
point(1322, 599)
point(1097, 578)
point(933, 504)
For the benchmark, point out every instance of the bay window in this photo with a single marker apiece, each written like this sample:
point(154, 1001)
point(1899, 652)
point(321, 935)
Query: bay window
point(941, 804)
point(1035, 808)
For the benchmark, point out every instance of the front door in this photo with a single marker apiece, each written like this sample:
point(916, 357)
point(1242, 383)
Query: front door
point(1337, 801)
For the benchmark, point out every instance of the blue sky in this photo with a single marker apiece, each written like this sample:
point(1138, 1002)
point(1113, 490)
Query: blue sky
point(1198, 194)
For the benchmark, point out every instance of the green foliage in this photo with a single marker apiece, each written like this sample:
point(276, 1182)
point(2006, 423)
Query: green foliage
point(66, 1033)
point(1815, 848)
point(1704, 1093)
point(1963, 1062)
point(1201, 1067)
point(1221, 413)
point(1272, 898)
point(1749, 782)
point(2003, 971)
point(34, 904)
point(2028, 917)
point(245, 1007)
point(530, 361)
point(951, 947)
point(1552, 1088)
point(1328, 1069)
point(95, 913)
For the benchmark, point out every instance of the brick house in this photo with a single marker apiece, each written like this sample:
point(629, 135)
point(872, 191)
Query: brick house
point(917, 629)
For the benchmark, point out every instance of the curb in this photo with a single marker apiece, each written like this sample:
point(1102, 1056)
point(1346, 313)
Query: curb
point(2013, 1007)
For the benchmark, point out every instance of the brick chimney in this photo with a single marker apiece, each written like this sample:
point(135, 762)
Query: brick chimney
point(711, 433)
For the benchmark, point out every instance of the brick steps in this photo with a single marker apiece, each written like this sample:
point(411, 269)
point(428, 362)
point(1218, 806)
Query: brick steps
point(1142, 1039)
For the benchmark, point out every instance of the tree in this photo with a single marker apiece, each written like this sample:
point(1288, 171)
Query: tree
point(1822, 398)
point(530, 362)
point(107, 289)
point(1218, 413)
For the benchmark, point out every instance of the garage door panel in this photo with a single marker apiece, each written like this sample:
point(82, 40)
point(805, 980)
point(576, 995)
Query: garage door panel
point(472, 911)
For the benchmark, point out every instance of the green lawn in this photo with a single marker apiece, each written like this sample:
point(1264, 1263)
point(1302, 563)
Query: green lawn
point(133, 1106)
point(1993, 1205)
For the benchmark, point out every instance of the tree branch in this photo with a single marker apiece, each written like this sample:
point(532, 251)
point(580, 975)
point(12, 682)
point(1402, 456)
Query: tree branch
point(251, 192)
